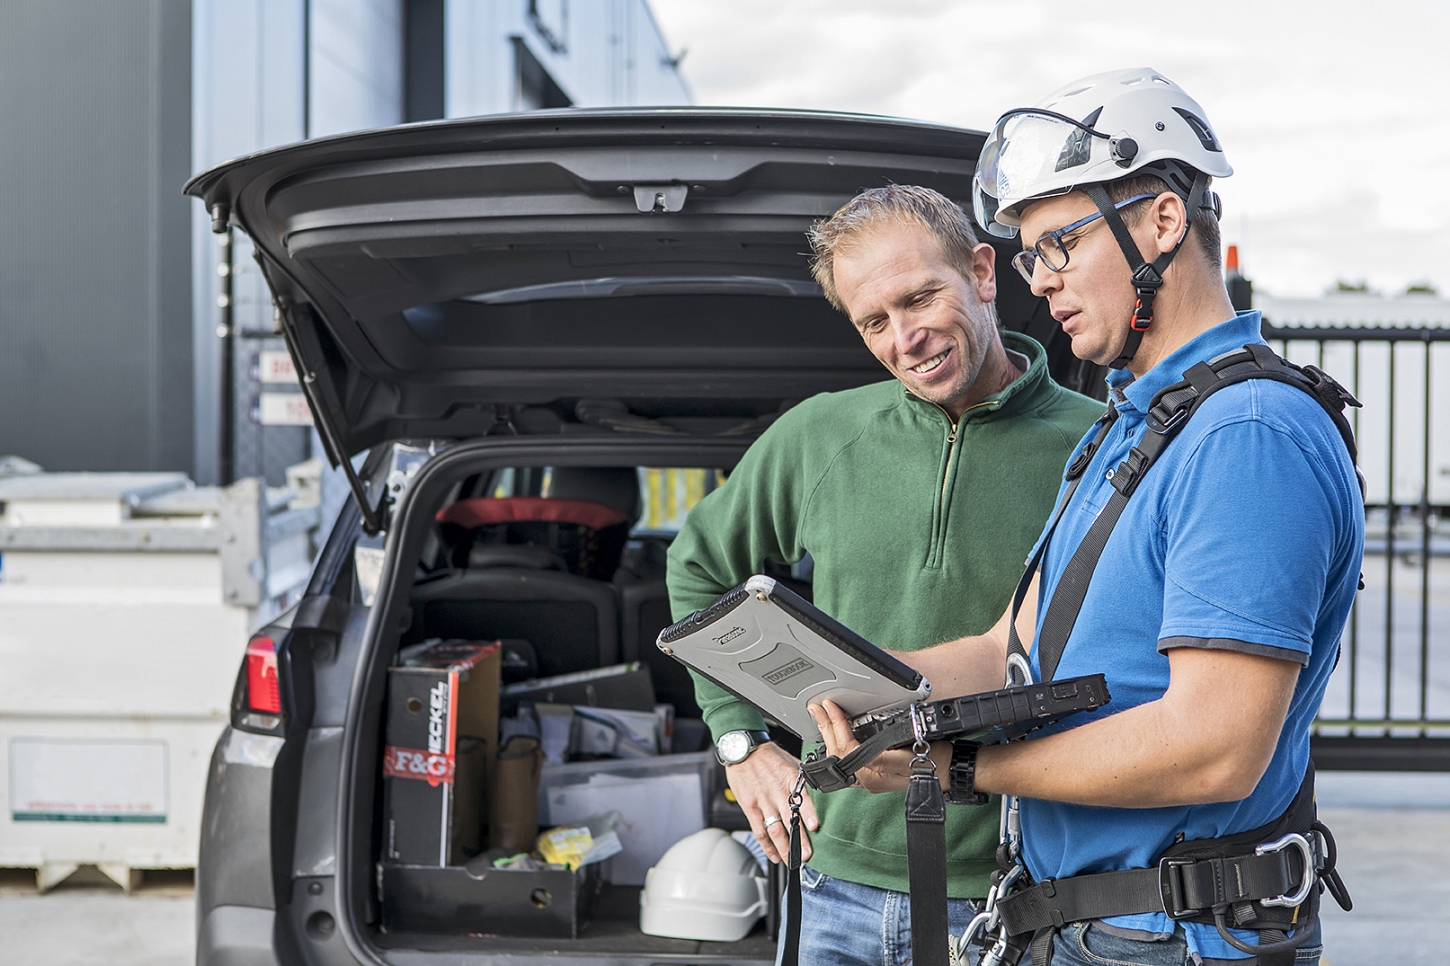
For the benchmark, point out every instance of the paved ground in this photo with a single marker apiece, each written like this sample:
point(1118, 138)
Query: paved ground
point(88, 921)
point(1393, 832)
point(1394, 853)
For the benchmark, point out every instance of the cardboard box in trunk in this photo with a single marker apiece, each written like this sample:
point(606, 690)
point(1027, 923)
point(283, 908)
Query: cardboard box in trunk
point(442, 724)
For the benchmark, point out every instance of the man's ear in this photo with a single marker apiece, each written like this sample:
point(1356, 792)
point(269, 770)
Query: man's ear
point(982, 272)
point(1167, 215)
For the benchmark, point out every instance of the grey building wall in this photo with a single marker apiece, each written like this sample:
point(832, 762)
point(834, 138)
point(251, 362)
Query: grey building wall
point(95, 280)
point(599, 53)
point(270, 72)
point(110, 356)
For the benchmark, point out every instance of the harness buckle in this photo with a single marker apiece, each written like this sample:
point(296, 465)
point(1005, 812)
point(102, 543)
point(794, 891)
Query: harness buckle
point(1174, 417)
point(825, 773)
point(1170, 888)
point(1290, 900)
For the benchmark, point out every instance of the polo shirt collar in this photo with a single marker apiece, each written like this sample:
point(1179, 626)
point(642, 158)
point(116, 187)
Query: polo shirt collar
point(1136, 394)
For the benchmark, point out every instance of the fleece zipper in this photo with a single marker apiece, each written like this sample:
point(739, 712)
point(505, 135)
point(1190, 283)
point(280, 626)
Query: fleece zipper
point(936, 552)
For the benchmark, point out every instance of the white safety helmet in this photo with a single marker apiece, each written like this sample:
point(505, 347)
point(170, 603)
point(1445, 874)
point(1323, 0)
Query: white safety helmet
point(1094, 130)
point(707, 887)
point(1088, 133)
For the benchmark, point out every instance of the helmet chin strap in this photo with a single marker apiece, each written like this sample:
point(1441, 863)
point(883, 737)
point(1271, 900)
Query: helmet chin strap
point(1147, 277)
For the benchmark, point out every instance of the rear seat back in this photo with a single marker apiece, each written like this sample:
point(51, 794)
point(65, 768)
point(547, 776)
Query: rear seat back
point(571, 621)
point(644, 611)
point(539, 569)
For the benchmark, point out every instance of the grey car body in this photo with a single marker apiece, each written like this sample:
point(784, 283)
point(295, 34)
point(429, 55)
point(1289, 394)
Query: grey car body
point(450, 292)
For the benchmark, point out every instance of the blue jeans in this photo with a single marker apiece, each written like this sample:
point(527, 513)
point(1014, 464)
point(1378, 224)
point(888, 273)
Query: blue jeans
point(849, 924)
point(1082, 944)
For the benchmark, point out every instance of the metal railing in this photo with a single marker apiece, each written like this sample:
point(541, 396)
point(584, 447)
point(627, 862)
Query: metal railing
point(1388, 704)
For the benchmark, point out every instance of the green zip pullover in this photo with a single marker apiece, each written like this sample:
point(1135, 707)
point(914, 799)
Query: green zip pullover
point(918, 528)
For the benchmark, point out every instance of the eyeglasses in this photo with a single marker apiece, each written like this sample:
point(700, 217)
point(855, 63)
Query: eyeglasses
point(1051, 248)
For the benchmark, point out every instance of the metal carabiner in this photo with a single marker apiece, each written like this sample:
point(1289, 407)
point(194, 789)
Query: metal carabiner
point(797, 792)
point(920, 746)
point(998, 891)
point(988, 919)
point(1302, 893)
point(978, 926)
point(1023, 671)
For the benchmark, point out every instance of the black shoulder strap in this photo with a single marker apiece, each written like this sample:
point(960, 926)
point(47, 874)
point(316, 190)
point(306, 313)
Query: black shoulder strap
point(1170, 409)
point(1017, 665)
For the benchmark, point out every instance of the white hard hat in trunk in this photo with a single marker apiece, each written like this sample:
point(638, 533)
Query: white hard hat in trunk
point(707, 886)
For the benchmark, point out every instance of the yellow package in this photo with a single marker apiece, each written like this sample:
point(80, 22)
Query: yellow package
point(565, 846)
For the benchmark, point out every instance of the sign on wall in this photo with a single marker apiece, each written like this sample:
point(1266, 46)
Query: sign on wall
point(54, 780)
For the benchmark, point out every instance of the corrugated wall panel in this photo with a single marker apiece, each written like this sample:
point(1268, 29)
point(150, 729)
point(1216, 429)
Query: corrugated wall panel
point(95, 329)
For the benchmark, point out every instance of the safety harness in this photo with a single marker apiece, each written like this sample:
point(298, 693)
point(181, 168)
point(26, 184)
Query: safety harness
point(1267, 879)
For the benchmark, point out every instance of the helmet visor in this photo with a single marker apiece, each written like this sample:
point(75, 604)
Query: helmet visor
point(1027, 149)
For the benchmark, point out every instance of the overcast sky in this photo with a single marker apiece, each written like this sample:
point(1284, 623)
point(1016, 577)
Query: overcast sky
point(1334, 114)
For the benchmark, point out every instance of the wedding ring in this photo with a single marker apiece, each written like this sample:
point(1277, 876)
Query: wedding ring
point(771, 820)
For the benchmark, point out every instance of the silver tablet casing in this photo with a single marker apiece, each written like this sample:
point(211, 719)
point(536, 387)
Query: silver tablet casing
point(751, 645)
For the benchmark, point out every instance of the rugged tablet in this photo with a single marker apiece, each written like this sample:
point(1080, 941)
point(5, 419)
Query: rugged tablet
point(774, 650)
point(777, 652)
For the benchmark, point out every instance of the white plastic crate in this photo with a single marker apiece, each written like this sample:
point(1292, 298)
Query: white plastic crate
point(660, 800)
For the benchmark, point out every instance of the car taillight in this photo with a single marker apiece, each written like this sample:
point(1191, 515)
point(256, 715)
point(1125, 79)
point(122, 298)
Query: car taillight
point(262, 692)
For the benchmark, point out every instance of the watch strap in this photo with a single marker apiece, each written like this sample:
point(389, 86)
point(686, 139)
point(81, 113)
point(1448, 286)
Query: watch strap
point(962, 775)
point(756, 738)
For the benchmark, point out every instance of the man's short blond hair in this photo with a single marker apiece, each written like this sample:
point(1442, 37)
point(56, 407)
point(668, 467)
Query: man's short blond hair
point(893, 204)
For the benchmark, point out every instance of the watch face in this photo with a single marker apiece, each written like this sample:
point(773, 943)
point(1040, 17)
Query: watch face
point(733, 747)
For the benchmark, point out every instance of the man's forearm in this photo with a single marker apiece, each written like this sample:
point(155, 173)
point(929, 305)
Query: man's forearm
point(964, 666)
point(970, 665)
point(1209, 739)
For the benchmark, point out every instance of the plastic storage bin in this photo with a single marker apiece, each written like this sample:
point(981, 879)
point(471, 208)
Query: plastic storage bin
point(660, 801)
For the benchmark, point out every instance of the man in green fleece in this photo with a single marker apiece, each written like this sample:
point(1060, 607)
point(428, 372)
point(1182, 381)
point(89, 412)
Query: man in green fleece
point(918, 499)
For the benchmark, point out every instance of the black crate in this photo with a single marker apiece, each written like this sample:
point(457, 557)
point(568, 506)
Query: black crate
point(548, 904)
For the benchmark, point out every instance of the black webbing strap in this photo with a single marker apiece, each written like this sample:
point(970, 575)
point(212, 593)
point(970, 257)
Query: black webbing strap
point(926, 867)
point(1219, 882)
point(1074, 473)
point(1071, 589)
point(926, 852)
point(1167, 414)
point(1192, 887)
point(826, 773)
point(790, 951)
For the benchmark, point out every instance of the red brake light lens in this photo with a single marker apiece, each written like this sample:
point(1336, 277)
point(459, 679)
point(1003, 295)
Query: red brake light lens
point(262, 692)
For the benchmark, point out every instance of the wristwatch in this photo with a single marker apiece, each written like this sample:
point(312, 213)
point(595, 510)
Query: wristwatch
point(962, 775)
point(736, 746)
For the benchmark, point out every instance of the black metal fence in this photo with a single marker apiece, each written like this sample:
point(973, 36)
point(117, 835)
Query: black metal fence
point(1388, 704)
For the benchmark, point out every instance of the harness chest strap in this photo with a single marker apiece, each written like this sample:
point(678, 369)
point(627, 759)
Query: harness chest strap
point(1167, 414)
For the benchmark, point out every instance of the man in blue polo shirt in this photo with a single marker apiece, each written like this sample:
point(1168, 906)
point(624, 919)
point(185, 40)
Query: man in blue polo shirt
point(1216, 606)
